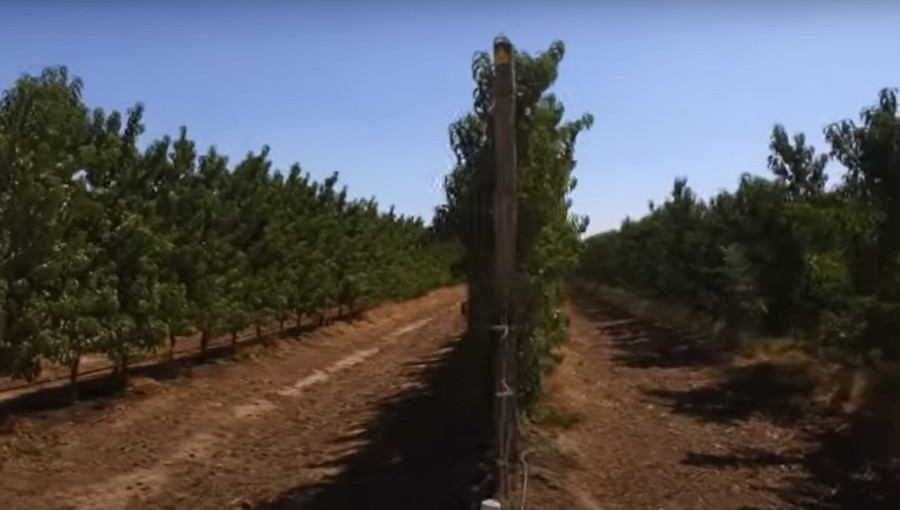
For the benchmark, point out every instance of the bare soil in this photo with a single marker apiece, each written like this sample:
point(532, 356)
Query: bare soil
point(360, 415)
point(642, 417)
point(95, 369)
point(370, 414)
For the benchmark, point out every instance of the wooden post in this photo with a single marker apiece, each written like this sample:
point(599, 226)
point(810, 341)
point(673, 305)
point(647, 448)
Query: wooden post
point(504, 112)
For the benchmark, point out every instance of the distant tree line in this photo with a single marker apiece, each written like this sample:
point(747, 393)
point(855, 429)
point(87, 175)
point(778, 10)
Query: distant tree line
point(107, 248)
point(784, 255)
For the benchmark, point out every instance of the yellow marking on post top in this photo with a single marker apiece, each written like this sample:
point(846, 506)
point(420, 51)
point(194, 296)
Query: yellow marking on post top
point(501, 56)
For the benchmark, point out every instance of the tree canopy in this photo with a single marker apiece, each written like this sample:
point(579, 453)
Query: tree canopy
point(106, 247)
point(782, 255)
point(548, 234)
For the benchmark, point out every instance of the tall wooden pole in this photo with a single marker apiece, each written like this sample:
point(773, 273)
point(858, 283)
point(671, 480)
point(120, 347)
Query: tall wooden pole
point(504, 113)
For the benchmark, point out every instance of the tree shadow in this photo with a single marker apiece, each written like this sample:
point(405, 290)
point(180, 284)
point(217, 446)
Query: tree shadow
point(642, 343)
point(780, 393)
point(98, 387)
point(426, 448)
point(832, 475)
point(842, 463)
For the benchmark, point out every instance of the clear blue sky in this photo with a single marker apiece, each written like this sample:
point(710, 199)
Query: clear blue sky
point(369, 88)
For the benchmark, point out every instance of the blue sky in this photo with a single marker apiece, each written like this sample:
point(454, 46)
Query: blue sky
point(369, 89)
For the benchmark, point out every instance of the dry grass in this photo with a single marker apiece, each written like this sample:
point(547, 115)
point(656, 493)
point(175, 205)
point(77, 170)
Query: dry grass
point(842, 384)
point(144, 386)
point(865, 394)
point(556, 417)
point(667, 313)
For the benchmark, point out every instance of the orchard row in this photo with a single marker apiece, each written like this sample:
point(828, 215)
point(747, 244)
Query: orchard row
point(106, 247)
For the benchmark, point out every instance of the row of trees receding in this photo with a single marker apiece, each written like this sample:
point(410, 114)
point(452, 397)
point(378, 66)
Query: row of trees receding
point(548, 234)
point(785, 255)
point(108, 248)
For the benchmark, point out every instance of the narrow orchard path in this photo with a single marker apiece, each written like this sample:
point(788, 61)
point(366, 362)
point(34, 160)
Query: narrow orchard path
point(344, 417)
point(667, 424)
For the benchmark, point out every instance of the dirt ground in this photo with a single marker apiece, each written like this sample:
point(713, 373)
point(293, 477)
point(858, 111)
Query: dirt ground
point(360, 415)
point(369, 414)
point(98, 366)
point(645, 418)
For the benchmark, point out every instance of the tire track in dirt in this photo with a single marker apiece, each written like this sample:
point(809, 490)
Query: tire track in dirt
point(115, 493)
point(241, 434)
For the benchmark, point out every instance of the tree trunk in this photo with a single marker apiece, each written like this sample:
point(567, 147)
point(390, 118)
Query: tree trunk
point(258, 332)
point(281, 327)
point(204, 340)
point(123, 373)
point(172, 341)
point(234, 342)
point(73, 378)
point(299, 319)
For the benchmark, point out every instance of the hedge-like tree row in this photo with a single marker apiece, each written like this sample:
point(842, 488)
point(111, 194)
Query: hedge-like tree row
point(785, 255)
point(107, 248)
point(548, 233)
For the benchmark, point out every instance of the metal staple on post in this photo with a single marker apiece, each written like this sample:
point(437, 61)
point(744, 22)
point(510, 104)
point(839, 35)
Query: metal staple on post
point(504, 388)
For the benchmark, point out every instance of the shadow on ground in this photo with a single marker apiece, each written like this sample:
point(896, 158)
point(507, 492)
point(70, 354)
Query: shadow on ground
point(423, 450)
point(780, 393)
point(99, 388)
point(643, 343)
point(841, 466)
point(834, 473)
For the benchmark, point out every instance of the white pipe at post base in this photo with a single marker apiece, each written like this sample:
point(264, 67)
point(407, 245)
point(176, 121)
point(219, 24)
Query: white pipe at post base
point(490, 504)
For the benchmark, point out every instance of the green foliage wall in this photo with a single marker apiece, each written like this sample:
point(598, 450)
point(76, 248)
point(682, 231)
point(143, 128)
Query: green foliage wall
point(785, 255)
point(108, 248)
point(547, 237)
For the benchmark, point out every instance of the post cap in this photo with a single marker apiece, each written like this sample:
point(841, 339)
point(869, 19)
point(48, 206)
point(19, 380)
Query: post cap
point(503, 50)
